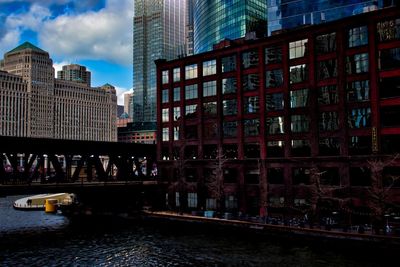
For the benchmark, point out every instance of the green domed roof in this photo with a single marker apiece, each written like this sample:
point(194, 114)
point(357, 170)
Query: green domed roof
point(26, 45)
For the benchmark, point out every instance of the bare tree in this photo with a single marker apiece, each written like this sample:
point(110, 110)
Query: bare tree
point(379, 192)
point(215, 182)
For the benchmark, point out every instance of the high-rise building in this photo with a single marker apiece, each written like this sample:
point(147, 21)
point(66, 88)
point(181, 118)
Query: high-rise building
point(189, 27)
point(271, 111)
point(158, 32)
point(35, 104)
point(285, 14)
point(217, 20)
point(75, 73)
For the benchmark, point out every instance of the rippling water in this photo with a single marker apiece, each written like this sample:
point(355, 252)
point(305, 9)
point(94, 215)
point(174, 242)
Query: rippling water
point(38, 239)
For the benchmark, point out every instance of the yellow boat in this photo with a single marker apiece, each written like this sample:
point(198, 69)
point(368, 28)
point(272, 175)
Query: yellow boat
point(38, 202)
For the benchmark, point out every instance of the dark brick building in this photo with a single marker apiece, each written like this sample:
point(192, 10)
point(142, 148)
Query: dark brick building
point(270, 115)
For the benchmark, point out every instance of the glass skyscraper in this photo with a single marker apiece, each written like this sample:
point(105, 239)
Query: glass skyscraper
point(217, 20)
point(285, 14)
point(158, 33)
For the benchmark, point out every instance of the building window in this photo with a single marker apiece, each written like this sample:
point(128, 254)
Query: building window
point(165, 114)
point(360, 145)
point(252, 176)
point(325, 43)
point(273, 55)
point(250, 59)
point(327, 69)
point(191, 91)
point(298, 73)
point(229, 85)
point(251, 104)
point(191, 152)
point(191, 132)
point(177, 94)
point(301, 148)
point(388, 30)
point(301, 176)
point(358, 36)
point(274, 78)
point(191, 71)
point(177, 199)
point(230, 128)
point(230, 151)
point(389, 59)
point(299, 123)
point(275, 175)
point(390, 116)
point(360, 176)
point(176, 133)
point(210, 130)
point(210, 88)
point(251, 151)
point(228, 63)
point(209, 67)
point(165, 134)
point(229, 107)
point(177, 113)
point(299, 98)
point(298, 48)
point(358, 91)
point(252, 127)
point(210, 108)
point(274, 102)
point(328, 121)
point(165, 76)
point(329, 146)
point(211, 203)
point(330, 176)
point(191, 111)
point(275, 125)
point(275, 148)
point(328, 95)
point(360, 118)
point(251, 82)
point(231, 202)
point(165, 96)
point(210, 151)
point(357, 63)
point(177, 74)
point(390, 144)
point(389, 87)
point(192, 200)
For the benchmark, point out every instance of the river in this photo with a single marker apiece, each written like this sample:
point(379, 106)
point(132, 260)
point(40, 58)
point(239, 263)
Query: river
point(34, 238)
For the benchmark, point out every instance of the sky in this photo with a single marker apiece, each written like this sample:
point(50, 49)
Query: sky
point(93, 33)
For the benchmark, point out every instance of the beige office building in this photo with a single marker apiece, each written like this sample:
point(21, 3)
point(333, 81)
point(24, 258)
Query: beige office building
point(35, 104)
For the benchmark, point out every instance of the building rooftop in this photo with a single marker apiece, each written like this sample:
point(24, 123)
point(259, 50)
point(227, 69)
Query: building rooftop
point(26, 45)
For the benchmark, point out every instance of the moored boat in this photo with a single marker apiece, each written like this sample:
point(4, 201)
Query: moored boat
point(37, 202)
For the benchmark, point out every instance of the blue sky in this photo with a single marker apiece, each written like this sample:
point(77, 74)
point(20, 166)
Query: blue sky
point(96, 34)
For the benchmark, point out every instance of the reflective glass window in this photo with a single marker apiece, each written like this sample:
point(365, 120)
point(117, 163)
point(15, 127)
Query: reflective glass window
point(389, 59)
point(325, 43)
point(275, 125)
point(301, 148)
point(299, 98)
point(191, 91)
point(328, 121)
point(357, 63)
point(359, 118)
point(329, 146)
point(250, 59)
point(165, 96)
point(251, 82)
point(229, 107)
point(274, 78)
point(209, 67)
point(298, 48)
point(299, 123)
point(210, 88)
point(327, 69)
point(165, 76)
point(210, 108)
point(388, 30)
point(177, 94)
point(177, 113)
point(229, 85)
point(230, 128)
point(228, 63)
point(165, 134)
point(358, 91)
point(165, 115)
point(274, 101)
point(191, 71)
point(191, 111)
point(298, 73)
point(251, 104)
point(177, 74)
point(328, 95)
point(359, 145)
point(273, 55)
point(275, 148)
point(251, 127)
point(358, 36)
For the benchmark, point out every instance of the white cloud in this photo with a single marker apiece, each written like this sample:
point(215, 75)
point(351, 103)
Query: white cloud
point(105, 35)
point(120, 94)
point(31, 20)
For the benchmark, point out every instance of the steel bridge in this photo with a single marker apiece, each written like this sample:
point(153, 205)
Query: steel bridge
point(29, 165)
